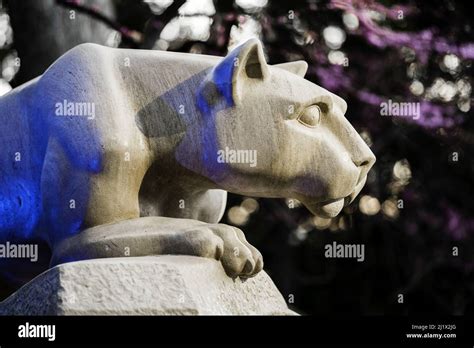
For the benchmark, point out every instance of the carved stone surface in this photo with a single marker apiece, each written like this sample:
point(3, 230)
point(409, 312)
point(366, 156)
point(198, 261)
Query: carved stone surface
point(118, 135)
point(130, 154)
point(152, 285)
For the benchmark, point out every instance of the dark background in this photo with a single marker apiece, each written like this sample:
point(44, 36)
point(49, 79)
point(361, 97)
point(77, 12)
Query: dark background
point(418, 202)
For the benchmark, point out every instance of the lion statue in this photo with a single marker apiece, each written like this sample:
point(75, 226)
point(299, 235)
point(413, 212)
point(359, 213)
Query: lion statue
point(118, 152)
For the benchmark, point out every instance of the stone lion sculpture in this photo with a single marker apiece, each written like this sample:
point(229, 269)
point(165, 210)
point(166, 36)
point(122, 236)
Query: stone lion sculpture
point(117, 152)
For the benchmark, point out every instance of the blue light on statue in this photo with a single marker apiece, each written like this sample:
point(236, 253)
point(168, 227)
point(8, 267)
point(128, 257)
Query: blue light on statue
point(45, 162)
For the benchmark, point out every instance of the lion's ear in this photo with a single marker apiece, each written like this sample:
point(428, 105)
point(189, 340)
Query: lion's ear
point(298, 67)
point(244, 64)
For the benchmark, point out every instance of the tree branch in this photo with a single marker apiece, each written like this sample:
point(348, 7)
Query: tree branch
point(131, 36)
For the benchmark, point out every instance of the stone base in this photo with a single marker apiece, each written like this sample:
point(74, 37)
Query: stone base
point(151, 285)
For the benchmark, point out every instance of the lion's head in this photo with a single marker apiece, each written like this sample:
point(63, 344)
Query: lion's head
point(266, 131)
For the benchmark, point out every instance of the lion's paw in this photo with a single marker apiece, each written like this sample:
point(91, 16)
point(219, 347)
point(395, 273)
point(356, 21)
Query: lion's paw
point(240, 259)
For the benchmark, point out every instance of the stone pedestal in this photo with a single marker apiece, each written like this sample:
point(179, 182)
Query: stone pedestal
point(152, 285)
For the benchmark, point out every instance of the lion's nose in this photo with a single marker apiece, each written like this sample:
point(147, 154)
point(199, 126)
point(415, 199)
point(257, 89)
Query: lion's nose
point(365, 163)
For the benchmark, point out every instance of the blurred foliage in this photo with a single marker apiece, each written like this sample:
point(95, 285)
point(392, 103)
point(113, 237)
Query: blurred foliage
point(418, 201)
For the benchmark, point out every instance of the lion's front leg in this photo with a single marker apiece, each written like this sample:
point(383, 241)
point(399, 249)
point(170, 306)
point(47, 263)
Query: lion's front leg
point(163, 236)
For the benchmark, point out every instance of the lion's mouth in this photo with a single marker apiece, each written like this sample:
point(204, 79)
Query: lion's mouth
point(326, 209)
point(331, 208)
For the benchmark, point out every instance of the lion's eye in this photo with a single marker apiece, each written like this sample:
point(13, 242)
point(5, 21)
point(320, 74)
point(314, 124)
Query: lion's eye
point(311, 116)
